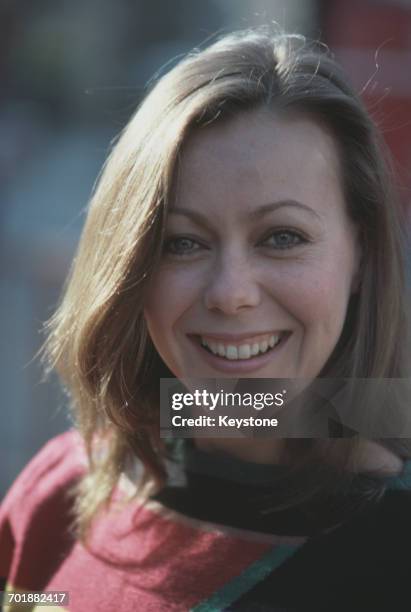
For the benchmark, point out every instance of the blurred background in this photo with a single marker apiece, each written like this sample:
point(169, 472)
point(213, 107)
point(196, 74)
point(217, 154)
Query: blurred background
point(71, 74)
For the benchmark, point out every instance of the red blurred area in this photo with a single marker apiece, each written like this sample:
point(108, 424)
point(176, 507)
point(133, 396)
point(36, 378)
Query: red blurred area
point(372, 39)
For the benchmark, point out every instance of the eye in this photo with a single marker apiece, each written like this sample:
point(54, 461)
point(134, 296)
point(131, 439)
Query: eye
point(181, 246)
point(284, 239)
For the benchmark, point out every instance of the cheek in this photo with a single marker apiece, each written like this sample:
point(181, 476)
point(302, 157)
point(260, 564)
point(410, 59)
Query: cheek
point(317, 296)
point(171, 293)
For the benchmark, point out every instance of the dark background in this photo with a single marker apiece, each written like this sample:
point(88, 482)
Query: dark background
point(71, 73)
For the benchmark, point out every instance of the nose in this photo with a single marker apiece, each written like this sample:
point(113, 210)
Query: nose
point(232, 285)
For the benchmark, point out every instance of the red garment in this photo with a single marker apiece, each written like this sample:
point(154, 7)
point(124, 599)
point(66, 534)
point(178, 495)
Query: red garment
point(141, 557)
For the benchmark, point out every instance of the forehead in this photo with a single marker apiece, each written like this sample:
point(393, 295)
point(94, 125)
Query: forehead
point(258, 157)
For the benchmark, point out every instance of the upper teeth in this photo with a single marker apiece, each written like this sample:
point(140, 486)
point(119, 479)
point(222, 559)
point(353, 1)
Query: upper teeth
point(242, 351)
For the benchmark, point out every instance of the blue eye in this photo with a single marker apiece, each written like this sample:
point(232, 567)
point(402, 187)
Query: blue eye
point(284, 239)
point(180, 246)
point(183, 246)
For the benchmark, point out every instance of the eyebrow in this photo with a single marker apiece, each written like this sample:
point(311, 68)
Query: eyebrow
point(257, 213)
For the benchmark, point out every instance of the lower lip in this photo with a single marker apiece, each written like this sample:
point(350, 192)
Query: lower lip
point(239, 366)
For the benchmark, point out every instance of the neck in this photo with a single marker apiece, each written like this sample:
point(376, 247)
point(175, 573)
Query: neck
point(369, 456)
point(261, 450)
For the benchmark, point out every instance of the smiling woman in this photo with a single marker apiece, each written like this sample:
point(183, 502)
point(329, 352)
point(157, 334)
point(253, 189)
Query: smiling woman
point(244, 226)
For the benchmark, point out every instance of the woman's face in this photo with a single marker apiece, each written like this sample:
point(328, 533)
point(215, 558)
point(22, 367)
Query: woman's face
point(260, 257)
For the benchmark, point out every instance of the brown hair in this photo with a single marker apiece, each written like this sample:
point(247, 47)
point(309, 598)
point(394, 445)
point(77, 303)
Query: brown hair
point(98, 340)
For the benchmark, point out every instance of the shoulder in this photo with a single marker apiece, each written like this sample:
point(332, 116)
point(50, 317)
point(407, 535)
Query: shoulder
point(393, 517)
point(37, 504)
point(382, 527)
point(49, 473)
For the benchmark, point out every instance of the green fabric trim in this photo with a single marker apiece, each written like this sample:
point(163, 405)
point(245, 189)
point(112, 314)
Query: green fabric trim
point(403, 481)
point(253, 574)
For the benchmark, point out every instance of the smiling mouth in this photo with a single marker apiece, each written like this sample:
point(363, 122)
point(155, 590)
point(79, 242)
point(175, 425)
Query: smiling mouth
point(245, 350)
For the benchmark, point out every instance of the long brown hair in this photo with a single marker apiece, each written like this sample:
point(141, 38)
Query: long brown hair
point(97, 339)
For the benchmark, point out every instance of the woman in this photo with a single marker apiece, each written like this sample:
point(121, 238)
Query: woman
point(243, 227)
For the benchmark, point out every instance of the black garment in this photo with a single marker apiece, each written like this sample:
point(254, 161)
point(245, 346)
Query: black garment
point(357, 557)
